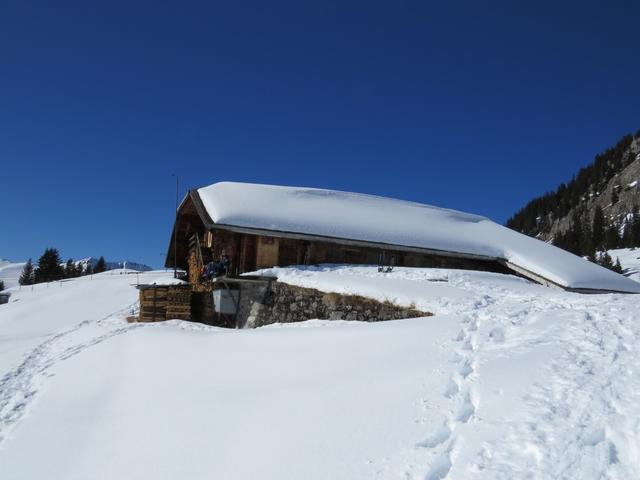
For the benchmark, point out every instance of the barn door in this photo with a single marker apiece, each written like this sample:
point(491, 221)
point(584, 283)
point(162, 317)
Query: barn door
point(248, 253)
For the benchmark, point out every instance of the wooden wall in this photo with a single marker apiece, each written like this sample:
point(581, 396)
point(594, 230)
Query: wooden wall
point(251, 252)
point(267, 252)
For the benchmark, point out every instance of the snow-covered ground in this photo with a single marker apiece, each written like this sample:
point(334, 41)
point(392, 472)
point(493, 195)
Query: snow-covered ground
point(507, 380)
point(630, 261)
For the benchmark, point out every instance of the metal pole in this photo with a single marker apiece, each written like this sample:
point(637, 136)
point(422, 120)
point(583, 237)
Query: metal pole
point(175, 235)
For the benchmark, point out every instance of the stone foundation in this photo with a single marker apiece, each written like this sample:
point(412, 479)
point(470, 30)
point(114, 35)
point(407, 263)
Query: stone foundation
point(276, 302)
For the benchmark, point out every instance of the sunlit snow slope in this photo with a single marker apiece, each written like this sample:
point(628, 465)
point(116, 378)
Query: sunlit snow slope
point(507, 380)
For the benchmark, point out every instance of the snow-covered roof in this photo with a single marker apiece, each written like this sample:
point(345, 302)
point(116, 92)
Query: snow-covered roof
point(369, 218)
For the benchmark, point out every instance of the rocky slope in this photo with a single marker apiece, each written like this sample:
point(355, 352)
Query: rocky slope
point(611, 182)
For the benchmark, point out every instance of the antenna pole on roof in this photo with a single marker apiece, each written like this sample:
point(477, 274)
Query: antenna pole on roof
point(175, 234)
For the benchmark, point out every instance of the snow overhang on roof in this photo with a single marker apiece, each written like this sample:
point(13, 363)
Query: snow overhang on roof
point(385, 221)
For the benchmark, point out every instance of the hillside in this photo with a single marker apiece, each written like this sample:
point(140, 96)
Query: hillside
point(596, 210)
point(507, 380)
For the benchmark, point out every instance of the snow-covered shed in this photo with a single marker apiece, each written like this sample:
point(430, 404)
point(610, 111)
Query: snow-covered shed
point(260, 226)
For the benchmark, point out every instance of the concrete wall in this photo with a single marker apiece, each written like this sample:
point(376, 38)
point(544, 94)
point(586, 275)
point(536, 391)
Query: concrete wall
point(276, 302)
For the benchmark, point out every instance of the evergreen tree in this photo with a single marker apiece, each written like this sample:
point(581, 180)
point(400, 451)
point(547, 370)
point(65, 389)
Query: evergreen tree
point(49, 268)
point(101, 266)
point(28, 275)
point(617, 267)
point(1, 285)
point(89, 269)
point(612, 239)
point(605, 260)
point(634, 235)
point(597, 228)
point(70, 269)
point(627, 235)
point(586, 244)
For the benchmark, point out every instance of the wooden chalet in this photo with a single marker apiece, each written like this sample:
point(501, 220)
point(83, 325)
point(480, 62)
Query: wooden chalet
point(199, 240)
point(262, 226)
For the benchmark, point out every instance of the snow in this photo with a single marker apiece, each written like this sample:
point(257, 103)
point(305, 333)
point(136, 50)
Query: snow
point(10, 272)
point(629, 260)
point(396, 222)
point(633, 184)
point(507, 380)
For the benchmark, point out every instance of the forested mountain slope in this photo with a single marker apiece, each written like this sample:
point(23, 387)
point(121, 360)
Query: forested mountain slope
point(596, 210)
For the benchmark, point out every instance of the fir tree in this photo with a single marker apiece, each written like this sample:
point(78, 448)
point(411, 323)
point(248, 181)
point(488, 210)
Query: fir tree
point(605, 260)
point(617, 267)
point(586, 244)
point(1, 285)
point(27, 277)
point(49, 268)
point(89, 269)
point(627, 235)
point(611, 238)
point(70, 269)
point(101, 266)
point(597, 228)
point(634, 229)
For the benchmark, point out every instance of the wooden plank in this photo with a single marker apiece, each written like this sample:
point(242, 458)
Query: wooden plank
point(267, 252)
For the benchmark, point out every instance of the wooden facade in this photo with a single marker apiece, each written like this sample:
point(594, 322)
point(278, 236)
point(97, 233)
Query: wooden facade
point(199, 241)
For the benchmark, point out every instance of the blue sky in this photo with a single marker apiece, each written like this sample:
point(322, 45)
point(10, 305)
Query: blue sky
point(477, 106)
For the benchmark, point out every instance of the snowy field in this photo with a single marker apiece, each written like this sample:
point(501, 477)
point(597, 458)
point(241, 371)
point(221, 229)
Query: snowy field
point(507, 380)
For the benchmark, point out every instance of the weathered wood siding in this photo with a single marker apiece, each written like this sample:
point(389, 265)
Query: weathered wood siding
point(267, 252)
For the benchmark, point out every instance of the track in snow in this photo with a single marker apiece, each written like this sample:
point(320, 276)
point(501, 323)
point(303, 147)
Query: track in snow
point(587, 405)
point(19, 387)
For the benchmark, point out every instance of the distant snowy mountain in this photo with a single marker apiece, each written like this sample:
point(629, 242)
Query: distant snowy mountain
point(113, 265)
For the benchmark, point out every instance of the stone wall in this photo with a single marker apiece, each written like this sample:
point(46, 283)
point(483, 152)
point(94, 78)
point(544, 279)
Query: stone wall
point(277, 302)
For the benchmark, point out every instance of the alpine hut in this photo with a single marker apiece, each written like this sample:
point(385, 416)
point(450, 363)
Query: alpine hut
point(249, 226)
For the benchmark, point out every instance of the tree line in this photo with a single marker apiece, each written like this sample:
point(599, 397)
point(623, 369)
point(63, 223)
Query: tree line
point(50, 267)
point(586, 239)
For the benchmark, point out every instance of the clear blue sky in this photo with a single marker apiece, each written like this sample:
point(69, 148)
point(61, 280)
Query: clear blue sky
point(477, 106)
